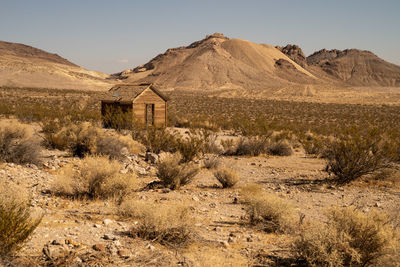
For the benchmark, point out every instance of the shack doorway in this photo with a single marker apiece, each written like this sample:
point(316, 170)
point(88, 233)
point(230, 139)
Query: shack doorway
point(149, 114)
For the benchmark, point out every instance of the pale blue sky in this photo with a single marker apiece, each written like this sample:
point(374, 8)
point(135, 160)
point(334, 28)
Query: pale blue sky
point(110, 36)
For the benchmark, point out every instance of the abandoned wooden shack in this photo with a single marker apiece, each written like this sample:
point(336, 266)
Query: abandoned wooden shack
point(141, 103)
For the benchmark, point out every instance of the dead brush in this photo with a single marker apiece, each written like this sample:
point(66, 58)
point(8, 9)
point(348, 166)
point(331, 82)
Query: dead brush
point(279, 148)
point(174, 174)
point(164, 223)
point(17, 220)
point(211, 162)
point(268, 212)
point(348, 238)
point(18, 144)
point(226, 176)
point(94, 177)
point(355, 154)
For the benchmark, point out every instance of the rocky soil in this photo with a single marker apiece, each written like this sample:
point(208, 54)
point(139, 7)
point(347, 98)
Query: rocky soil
point(84, 232)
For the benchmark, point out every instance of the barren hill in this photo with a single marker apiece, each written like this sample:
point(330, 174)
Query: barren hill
point(218, 62)
point(26, 66)
point(356, 67)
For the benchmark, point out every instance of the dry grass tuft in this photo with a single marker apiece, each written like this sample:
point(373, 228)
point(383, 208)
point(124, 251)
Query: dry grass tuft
point(94, 177)
point(17, 221)
point(211, 162)
point(164, 223)
point(279, 148)
point(174, 174)
point(226, 176)
point(18, 143)
point(86, 139)
point(349, 238)
point(268, 211)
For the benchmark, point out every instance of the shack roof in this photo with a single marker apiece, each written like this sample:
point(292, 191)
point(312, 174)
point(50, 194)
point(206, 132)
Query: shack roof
point(129, 91)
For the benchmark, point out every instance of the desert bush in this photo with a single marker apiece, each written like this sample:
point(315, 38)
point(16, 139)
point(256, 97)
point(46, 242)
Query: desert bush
point(312, 144)
point(352, 156)
point(174, 174)
point(17, 221)
point(212, 145)
point(211, 162)
point(155, 139)
point(269, 212)
point(349, 238)
point(279, 148)
point(86, 139)
point(165, 223)
point(226, 176)
point(246, 146)
point(18, 143)
point(94, 177)
point(117, 119)
point(191, 145)
point(113, 145)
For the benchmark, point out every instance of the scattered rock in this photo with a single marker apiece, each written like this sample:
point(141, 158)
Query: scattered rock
point(230, 239)
point(109, 236)
point(225, 244)
point(249, 239)
point(107, 222)
point(195, 198)
point(151, 157)
point(99, 247)
point(150, 247)
point(123, 253)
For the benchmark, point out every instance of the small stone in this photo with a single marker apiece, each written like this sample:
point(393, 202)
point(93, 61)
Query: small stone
point(217, 229)
point(225, 244)
point(377, 204)
point(213, 205)
point(166, 190)
point(230, 240)
point(96, 225)
point(99, 247)
point(253, 164)
point(108, 236)
point(78, 261)
point(123, 253)
point(249, 239)
point(151, 247)
point(57, 242)
point(107, 222)
point(198, 224)
point(195, 198)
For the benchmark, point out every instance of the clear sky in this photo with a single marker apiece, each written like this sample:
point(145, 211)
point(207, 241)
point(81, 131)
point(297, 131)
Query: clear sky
point(114, 35)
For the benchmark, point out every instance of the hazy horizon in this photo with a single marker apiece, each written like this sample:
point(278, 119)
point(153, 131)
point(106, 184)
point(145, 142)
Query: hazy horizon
point(113, 36)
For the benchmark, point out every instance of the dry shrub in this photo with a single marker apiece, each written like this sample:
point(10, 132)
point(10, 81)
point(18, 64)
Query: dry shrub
point(192, 145)
point(249, 192)
point(155, 139)
point(95, 177)
point(165, 223)
point(211, 162)
point(269, 212)
point(212, 145)
point(312, 144)
point(18, 143)
point(113, 145)
point(17, 221)
point(251, 146)
point(354, 155)
point(174, 174)
point(226, 176)
point(349, 238)
point(279, 148)
point(86, 139)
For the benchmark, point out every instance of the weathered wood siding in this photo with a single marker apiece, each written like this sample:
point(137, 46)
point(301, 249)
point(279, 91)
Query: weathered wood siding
point(148, 96)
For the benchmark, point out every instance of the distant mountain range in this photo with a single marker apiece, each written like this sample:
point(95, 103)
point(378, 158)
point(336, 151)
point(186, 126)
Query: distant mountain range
point(214, 63)
point(26, 66)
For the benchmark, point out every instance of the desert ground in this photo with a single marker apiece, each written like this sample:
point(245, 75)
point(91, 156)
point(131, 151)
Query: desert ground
point(79, 229)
